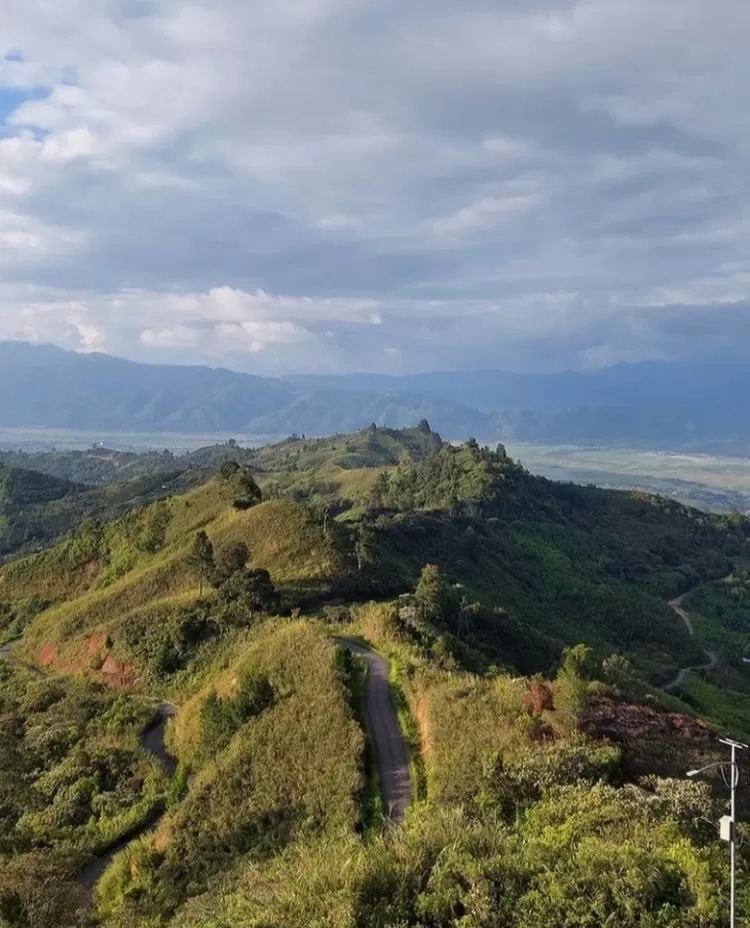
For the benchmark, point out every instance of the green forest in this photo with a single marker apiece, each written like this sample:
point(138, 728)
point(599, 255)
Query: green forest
point(185, 730)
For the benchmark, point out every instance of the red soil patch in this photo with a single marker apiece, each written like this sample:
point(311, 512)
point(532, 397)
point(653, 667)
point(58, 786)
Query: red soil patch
point(92, 660)
point(118, 675)
point(48, 655)
point(95, 646)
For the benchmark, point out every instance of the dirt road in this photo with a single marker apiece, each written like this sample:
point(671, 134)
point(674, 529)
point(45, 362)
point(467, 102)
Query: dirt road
point(385, 733)
point(713, 659)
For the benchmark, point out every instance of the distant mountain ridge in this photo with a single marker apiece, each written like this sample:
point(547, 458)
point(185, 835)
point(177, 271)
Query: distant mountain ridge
point(650, 405)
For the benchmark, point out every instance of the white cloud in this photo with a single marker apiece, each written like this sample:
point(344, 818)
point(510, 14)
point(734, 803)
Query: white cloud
point(178, 336)
point(191, 179)
point(487, 213)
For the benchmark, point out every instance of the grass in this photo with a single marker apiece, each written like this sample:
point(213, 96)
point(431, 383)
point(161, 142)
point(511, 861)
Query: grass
point(277, 818)
point(295, 770)
point(86, 780)
point(724, 709)
point(410, 730)
point(97, 600)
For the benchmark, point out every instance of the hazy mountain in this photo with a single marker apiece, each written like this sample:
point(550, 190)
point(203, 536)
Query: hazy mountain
point(649, 405)
point(51, 388)
point(701, 387)
point(60, 389)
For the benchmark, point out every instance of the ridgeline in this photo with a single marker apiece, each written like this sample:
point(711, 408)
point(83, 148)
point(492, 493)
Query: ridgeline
point(532, 654)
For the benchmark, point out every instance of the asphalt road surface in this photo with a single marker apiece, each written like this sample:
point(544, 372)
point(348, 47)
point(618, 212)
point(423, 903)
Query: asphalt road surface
point(385, 734)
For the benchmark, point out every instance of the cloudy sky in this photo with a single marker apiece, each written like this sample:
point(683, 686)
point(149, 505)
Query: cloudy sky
point(324, 185)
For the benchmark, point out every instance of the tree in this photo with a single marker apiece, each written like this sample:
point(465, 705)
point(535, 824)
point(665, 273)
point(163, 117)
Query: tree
point(202, 558)
point(232, 559)
point(249, 492)
point(364, 545)
point(154, 532)
point(250, 591)
point(575, 673)
point(578, 661)
point(432, 595)
point(378, 493)
point(39, 890)
point(321, 511)
point(619, 673)
point(228, 469)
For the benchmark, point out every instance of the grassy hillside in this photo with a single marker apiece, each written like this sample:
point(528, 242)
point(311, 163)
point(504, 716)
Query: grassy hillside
point(44, 495)
point(37, 509)
point(531, 565)
point(371, 447)
point(528, 633)
point(114, 598)
point(267, 772)
point(73, 780)
point(20, 487)
point(525, 819)
point(100, 466)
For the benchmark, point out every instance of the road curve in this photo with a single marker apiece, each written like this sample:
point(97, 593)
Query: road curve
point(713, 659)
point(385, 733)
point(7, 653)
point(152, 741)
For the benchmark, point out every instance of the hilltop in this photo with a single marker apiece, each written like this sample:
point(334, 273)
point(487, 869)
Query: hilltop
point(534, 565)
point(43, 495)
point(528, 632)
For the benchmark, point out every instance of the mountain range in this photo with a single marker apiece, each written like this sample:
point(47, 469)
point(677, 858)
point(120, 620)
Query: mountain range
point(651, 404)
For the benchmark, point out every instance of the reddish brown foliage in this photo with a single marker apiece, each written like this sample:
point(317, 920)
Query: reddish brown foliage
point(538, 698)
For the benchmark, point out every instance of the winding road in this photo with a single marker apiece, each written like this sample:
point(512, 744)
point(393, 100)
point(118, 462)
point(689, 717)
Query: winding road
point(385, 733)
point(152, 741)
point(713, 658)
point(6, 653)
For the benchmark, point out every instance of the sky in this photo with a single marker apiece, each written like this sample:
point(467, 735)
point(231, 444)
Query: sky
point(280, 186)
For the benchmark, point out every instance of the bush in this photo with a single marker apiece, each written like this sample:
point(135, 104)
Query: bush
point(222, 718)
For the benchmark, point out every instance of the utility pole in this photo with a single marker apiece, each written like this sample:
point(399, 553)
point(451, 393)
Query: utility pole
point(728, 824)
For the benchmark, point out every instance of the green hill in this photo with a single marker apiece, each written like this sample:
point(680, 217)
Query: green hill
point(37, 509)
point(371, 447)
point(532, 565)
point(528, 631)
point(19, 487)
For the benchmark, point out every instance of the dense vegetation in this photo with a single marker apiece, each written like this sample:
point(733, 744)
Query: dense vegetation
point(528, 634)
point(73, 780)
point(37, 509)
point(45, 494)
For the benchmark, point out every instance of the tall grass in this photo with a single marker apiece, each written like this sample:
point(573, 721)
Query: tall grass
point(294, 770)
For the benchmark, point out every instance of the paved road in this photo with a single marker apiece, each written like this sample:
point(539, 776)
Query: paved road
point(6, 653)
point(385, 733)
point(713, 658)
point(152, 741)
